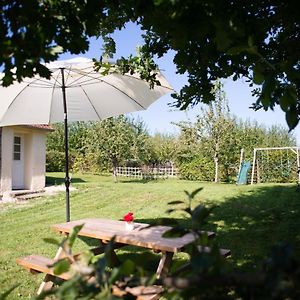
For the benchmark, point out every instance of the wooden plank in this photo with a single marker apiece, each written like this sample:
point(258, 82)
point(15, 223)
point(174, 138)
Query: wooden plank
point(48, 283)
point(146, 292)
point(141, 292)
point(141, 235)
point(40, 264)
point(164, 264)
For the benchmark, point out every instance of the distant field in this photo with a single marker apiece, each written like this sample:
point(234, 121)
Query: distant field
point(248, 219)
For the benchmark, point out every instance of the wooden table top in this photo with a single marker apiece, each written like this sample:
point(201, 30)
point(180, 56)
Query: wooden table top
point(151, 237)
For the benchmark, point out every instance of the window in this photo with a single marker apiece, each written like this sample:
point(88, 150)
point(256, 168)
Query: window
point(17, 148)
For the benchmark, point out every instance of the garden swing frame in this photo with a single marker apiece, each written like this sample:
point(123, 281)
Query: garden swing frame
point(295, 150)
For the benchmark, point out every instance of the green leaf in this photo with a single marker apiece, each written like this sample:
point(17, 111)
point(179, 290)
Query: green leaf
point(169, 211)
point(74, 234)
point(250, 41)
point(284, 101)
point(86, 257)
point(292, 92)
point(114, 275)
point(258, 77)
point(128, 267)
point(292, 118)
point(237, 50)
point(61, 266)
point(175, 232)
point(52, 241)
point(289, 98)
point(194, 193)
point(222, 39)
point(200, 262)
point(188, 210)
point(175, 202)
point(163, 221)
point(199, 215)
point(265, 101)
point(188, 194)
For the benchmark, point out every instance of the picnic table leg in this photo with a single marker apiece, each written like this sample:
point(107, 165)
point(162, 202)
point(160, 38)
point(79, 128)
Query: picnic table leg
point(47, 283)
point(164, 264)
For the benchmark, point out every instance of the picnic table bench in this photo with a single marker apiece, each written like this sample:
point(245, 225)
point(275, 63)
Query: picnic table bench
point(105, 230)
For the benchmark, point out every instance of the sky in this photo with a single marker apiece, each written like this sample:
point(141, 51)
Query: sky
point(160, 116)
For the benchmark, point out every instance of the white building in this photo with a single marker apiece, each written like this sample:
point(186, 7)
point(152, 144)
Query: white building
point(23, 158)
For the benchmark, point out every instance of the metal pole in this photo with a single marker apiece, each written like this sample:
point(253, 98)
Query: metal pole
point(298, 166)
point(67, 177)
point(253, 165)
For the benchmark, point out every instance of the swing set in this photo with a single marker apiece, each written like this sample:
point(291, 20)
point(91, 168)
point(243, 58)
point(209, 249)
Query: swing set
point(276, 164)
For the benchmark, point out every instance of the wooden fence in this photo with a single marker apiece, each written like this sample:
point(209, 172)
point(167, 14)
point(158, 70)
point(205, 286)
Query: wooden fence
point(147, 173)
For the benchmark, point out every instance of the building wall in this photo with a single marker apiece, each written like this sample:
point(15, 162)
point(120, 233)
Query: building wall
point(34, 158)
point(6, 161)
point(0, 153)
point(36, 169)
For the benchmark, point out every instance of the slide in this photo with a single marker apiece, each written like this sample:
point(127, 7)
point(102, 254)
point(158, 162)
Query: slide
point(242, 177)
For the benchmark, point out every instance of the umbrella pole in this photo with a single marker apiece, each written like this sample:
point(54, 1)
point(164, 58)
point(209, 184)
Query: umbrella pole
point(67, 177)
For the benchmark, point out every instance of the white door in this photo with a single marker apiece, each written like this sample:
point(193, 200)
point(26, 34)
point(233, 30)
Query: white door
point(18, 163)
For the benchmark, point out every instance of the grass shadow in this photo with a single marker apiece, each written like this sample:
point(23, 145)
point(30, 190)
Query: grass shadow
point(141, 257)
point(52, 180)
point(251, 224)
point(92, 243)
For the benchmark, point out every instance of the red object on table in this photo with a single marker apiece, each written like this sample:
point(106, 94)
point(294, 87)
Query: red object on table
point(129, 217)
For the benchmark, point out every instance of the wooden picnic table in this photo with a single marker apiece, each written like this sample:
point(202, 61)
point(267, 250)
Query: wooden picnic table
point(104, 230)
point(142, 236)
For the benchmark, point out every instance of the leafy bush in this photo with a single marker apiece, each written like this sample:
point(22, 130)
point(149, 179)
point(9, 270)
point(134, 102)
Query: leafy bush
point(55, 161)
point(85, 163)
point(199, 168)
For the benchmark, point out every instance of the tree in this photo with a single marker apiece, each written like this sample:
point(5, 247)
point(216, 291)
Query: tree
point(162, 148)
point(211, 39)
point(215, 126)
point(116, 140)
point(214, 141)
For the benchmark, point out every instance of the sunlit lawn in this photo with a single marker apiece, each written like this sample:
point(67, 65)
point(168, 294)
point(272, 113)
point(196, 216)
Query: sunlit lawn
point(248, 219)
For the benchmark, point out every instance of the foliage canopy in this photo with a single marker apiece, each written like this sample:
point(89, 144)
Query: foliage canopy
point(258, 40)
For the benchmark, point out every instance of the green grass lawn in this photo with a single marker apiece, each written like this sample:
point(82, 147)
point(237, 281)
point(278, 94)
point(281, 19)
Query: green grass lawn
point(248, 219)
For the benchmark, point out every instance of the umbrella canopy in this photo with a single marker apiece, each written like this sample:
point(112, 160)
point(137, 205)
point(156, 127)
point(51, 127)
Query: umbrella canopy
point(76, 92)
point(90, 95)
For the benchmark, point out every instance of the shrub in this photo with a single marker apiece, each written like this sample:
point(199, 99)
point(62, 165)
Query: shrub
point(198, 168)
point(55, 161)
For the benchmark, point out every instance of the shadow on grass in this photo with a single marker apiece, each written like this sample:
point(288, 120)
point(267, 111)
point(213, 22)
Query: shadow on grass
point(251, 224)
point(51, 180)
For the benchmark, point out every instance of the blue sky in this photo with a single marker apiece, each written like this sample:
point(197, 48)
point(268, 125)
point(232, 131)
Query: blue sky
point(159, 115)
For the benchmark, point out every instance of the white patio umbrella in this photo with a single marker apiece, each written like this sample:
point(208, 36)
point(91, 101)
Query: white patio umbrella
point(75, 92)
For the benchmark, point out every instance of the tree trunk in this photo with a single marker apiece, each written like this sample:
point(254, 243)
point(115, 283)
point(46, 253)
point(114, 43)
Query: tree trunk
point(115, 165)
point(216, 159)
